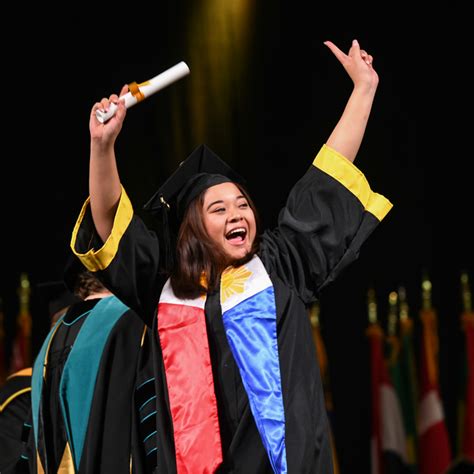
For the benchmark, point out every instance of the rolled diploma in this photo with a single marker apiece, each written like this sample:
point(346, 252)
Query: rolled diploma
point(148, 88)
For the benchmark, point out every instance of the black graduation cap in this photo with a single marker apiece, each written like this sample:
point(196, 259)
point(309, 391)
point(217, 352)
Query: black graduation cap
point(199, 171)
point(56, 296)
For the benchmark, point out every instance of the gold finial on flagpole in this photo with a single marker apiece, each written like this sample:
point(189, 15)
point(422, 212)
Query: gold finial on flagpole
point(466, 293)
point(314, 314)
point(403, 304)
point(426, 292)
point(372, 306)
point(392, 313)
point(24, 318)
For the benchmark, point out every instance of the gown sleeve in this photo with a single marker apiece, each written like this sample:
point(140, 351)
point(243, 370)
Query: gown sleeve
point(328, 215)
point(127, 263)
point(15, 403)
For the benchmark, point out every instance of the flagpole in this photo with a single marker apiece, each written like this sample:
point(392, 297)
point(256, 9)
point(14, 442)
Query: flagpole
point(21, 352)
point(466, 444)
point(409, 400)
point(434, 444)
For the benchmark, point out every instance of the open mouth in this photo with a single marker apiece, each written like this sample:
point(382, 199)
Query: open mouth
point(236, 236)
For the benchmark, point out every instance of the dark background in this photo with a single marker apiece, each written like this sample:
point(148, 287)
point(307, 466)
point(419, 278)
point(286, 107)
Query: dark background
point(283, 97)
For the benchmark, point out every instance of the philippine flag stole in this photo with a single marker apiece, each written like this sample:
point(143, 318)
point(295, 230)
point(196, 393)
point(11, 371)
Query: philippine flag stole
point(249, 317)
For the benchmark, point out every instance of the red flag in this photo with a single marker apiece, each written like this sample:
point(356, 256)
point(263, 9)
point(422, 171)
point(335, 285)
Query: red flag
point(434, 446)
point(21, 351)
point(468, 428)
point(388, 446)
point(409, 390)
point(375, 334)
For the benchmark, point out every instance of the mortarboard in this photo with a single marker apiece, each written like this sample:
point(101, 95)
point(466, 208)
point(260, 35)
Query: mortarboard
point(199, 171)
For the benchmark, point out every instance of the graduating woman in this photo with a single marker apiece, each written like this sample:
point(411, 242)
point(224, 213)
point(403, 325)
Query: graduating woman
point(235, 364)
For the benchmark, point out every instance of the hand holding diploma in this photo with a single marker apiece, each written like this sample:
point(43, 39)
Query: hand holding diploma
point(139, 92)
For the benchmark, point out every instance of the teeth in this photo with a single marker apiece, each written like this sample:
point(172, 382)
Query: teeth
point(236, 231)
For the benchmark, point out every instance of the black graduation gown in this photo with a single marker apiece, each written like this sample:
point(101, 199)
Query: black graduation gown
point(15, 402)
point(121, 397)
point(329, 213)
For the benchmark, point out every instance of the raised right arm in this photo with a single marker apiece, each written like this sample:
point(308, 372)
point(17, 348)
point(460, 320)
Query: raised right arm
point(104, 181)
point(347, 135)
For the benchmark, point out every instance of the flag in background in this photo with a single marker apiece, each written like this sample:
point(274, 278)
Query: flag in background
point(465, 445)
point(323, 366)
point(401, 374)
point(387, 444)
point(434, 445)
point(408, 393)
point(21, 350)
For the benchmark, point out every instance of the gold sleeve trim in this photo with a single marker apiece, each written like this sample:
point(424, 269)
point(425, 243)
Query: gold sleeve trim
point(12, 397)
point(100, 259)
point(341, 169)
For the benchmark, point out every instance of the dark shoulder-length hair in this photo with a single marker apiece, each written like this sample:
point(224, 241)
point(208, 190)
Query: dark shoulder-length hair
point(87, 284)
point(199, 260)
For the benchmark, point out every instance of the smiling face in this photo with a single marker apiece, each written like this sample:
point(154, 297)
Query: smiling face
point(229, 220)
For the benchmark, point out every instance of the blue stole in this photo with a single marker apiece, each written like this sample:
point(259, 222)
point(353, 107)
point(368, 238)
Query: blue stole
point(249, 316)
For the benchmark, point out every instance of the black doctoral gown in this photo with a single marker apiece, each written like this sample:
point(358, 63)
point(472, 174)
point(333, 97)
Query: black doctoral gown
point(15, 406)
point(94, 403)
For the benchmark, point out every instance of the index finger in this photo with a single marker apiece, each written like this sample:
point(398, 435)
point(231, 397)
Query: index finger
point(336, 51)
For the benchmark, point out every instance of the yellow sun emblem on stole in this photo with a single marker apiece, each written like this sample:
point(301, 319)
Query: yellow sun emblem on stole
point(233, 281)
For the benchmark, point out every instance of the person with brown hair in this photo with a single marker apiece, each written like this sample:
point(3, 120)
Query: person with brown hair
point(91, 387)
point(236, 371)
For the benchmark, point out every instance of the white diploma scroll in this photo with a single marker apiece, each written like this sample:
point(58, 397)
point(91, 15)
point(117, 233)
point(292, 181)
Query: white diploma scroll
point(146, 89)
